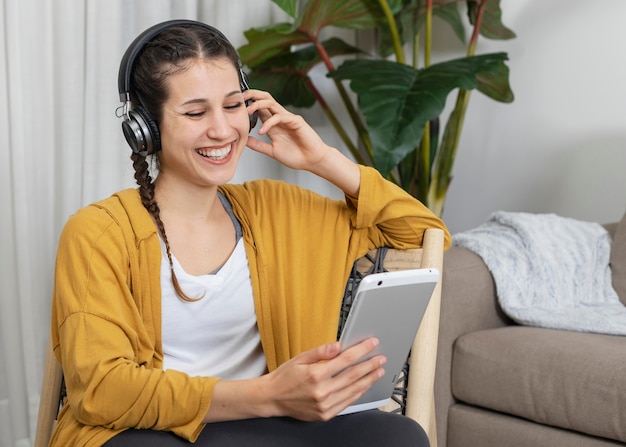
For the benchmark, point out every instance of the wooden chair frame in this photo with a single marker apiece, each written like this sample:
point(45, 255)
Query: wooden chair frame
point(51, 398)
point(420, 401)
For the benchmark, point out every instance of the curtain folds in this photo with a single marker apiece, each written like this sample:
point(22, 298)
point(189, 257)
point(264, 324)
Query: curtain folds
point(61, 147)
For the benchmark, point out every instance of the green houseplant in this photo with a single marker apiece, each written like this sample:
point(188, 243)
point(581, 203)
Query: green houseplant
point(398, 104)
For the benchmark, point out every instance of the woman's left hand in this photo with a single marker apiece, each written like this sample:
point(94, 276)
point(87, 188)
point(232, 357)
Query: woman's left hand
point(296, 145)
point(292, 141)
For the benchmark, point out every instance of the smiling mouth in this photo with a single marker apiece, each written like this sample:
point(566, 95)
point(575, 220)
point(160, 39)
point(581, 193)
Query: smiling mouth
point(215, 154)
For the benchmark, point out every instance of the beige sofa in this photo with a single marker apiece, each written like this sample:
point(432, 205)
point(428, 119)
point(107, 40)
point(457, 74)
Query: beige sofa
point(499, 384)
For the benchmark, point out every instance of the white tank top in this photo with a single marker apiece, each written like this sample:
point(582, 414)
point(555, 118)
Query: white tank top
point(217, 335)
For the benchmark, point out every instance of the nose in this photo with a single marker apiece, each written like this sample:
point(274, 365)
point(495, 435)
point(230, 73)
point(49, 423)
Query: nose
point(218, 125)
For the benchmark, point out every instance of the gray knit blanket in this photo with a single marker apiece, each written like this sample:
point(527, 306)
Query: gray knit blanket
point(550, 271)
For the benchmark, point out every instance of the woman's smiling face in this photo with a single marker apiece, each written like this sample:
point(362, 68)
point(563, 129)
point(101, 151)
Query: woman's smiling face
point(204, 126)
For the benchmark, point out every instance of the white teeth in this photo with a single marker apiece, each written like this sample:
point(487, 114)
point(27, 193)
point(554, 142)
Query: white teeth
point(215, 154)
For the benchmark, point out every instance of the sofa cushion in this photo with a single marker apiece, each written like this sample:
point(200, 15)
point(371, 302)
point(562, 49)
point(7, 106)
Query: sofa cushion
point(473, 426)
point(618, 260)
point(571, 380)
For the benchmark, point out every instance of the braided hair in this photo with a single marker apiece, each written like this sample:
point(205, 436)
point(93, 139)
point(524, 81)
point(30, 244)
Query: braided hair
point(169, 53)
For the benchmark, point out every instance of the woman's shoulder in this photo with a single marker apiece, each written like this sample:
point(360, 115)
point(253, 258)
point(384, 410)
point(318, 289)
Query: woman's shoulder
point(111, 206)
point(122, 210)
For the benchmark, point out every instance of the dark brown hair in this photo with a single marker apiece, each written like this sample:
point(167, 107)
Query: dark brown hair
point(168, 53)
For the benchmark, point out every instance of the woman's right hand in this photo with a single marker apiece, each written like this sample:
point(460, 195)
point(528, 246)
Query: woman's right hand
point(318, 384)
point(315, 385)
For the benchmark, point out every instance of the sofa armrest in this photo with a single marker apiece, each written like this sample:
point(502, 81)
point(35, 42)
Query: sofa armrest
point(468, 304)
point(469, 292)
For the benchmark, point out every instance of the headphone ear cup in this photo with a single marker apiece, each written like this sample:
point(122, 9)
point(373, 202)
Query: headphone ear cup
point(141, 132)
point(245, 85)
point(254, 117)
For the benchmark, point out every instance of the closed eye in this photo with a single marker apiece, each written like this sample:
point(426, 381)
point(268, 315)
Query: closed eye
point(201, 113)
point(234, 106)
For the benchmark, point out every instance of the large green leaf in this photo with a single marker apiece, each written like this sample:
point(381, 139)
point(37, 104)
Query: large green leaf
point(286, 76)
point(449, 13)
point(289, 6)
point(268, 42)
point(492, 26)
point(289, 88)
point(397, 100)
point(352, 14)
point(495, 84)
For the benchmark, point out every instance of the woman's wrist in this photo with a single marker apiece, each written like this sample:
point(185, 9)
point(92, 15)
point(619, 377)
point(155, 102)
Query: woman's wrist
point(241, 399)
point(339, 170)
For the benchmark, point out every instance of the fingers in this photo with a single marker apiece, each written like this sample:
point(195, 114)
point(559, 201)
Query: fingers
point(358, 352)
point(341, 359)
point(355, 370)
point(358, 371)
point(348, 395)
point(319, 383)
point(270, 111)
point(321, 353)
point(264, 103)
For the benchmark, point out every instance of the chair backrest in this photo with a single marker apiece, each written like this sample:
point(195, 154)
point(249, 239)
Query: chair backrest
point(50, 399)
point(420, 399)
point(420, 383)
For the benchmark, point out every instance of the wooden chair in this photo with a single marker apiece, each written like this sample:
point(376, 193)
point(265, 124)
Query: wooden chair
point(420, 400)
point(420, 384)
point(51, 398)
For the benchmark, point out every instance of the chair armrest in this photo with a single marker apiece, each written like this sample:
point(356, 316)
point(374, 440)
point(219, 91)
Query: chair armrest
point(468, 303)
point(49, 399)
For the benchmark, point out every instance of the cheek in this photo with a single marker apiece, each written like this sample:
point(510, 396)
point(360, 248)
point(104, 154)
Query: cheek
point(244, 122)
point(178, 132)
point(168, 130)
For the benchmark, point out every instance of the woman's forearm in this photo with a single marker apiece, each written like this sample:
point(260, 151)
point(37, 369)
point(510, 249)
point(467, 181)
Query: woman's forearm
point(240, 399)
point(339, 170)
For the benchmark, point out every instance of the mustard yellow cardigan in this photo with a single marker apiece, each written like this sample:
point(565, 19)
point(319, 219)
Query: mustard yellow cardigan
point(106, 315)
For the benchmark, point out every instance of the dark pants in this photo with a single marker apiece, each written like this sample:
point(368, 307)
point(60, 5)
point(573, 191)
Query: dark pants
point(369, 428)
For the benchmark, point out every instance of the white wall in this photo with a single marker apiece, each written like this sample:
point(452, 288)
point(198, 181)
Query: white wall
point(561, 145)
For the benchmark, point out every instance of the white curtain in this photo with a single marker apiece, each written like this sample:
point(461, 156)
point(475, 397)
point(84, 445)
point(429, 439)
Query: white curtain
point(61, 147)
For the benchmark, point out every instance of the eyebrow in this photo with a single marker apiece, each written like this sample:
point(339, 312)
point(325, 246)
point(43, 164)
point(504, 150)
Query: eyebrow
point(202, 100)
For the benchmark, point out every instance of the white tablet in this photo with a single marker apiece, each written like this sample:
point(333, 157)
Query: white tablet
point(389, 306)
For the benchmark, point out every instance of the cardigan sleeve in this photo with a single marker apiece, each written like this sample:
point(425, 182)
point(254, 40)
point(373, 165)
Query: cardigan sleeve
point(111, 364)
point(390, 215)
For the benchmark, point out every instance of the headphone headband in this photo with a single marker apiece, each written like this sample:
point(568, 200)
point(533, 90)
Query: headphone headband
point(128, 60)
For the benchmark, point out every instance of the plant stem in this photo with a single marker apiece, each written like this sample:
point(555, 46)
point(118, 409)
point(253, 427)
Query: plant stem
point(428, 32)
point(423, 166)
point(442, 174)
point(447, 153)
point(354, 115)
point(336, 123)
point(393, 29)
point(416, 50)
point(471, 49)
point(423, 162)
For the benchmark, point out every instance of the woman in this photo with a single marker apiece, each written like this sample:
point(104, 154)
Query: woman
point(193, 310)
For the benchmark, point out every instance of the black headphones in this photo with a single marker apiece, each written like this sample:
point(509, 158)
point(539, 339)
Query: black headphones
point(140, 129)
